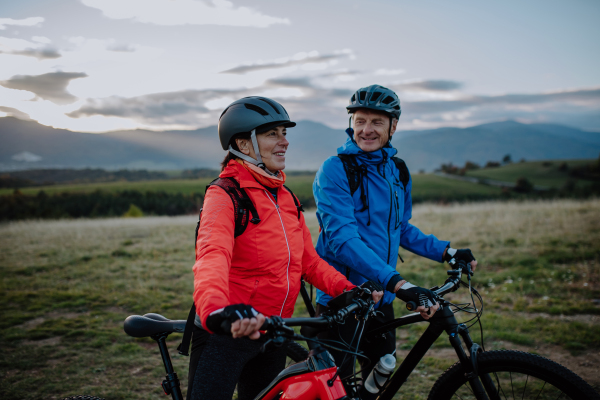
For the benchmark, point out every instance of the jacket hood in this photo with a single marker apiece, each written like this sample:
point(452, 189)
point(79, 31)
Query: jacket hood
point(351, 148)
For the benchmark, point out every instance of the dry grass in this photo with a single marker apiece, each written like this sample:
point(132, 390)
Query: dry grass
point(66, 286)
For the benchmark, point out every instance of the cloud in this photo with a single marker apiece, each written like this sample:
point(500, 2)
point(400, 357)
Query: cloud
point(195, 108)
point(51, 86)
point(32, 21)
point(121, 48)
point(389, 72)
point(184, 12)
point(583, 97)
point(21, 47)
point(185, 107)
point(298, 59)
point(13, 112)
point(579, 108)
point(428, 85)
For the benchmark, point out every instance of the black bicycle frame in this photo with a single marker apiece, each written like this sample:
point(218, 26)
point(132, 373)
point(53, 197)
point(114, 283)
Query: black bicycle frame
point(443, 320)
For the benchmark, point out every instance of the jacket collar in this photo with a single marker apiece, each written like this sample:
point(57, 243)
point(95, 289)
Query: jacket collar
point(374, 157)
point(240, 174)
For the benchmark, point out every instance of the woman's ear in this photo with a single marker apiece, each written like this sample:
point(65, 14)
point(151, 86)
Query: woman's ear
point(243, 145)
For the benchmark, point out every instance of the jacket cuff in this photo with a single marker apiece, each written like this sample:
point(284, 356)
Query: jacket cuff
point(391, 285)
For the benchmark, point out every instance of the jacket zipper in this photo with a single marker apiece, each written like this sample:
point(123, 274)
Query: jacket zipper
point(287, 272)
point(390, 214)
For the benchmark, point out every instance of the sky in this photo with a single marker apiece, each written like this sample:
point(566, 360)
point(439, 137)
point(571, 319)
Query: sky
point(100, 65)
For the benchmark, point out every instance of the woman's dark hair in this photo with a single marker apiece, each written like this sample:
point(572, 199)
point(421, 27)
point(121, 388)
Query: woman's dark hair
point(230, 156)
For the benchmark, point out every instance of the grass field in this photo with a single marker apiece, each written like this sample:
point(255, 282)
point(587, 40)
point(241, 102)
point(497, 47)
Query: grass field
point(543, 173)
point(67, 286)
point(425, 186)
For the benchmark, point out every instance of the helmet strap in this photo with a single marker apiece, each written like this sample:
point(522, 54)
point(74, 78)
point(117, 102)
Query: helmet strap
point(258, 161)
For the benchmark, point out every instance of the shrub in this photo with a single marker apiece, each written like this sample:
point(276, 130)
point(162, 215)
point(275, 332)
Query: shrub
point(133, 212)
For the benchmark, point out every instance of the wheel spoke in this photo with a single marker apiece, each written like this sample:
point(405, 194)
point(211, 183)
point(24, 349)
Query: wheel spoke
point(511, 385)
point(525, 388)
point(541, 389)
point(500, 386)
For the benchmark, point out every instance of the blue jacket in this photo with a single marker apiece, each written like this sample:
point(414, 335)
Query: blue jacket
point(367, 241)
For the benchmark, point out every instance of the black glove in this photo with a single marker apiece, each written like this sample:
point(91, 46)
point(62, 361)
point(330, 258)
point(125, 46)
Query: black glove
point(460, 254)
point(420, 296)
point(220, 322)
point(372, 286)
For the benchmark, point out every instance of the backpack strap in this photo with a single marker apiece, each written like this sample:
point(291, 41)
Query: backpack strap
point(404, 174)
point(244, 209)
point(184, 346)
point(296, 201)
point(353, 171)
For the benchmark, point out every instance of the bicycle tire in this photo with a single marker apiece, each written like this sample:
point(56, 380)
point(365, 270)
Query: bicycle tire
point(553, 378)
point(83, 397)
point(296, 352)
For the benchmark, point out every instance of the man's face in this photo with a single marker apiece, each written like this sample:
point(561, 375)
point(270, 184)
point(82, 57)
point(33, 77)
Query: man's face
point(372, 129)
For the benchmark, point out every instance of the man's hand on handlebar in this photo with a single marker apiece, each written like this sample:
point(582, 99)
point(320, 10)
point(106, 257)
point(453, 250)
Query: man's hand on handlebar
point(423, 298)
point(461, 255)
point(239, 320)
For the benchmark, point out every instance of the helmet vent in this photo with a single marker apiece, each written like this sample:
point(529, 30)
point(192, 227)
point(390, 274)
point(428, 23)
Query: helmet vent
point(353, 99)
point(375, 96)
point(271, 104)
point(362, 96)
point(396, 107)
point(388, 100)
point(259, 110)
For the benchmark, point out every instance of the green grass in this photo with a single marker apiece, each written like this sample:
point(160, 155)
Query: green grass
point(543, 173)
point(425, 187)
point(429, 186)
point(67, 286)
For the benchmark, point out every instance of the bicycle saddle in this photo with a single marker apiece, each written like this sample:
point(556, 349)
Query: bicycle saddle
point(151, 324)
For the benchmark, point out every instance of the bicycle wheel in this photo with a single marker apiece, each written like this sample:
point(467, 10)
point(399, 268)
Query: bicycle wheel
point(296, 352)
point(515, 375)
point(83, 397)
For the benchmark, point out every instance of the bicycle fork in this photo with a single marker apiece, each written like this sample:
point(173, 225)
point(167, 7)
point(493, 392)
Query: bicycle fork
point(481, 384)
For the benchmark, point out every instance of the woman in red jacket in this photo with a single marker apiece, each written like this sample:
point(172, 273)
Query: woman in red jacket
point(240, 280)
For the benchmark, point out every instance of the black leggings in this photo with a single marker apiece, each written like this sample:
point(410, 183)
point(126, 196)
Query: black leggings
point(219, 362)
point(374, 349)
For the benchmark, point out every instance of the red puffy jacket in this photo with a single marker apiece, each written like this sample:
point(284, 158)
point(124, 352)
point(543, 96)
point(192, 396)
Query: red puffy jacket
point(262, 267)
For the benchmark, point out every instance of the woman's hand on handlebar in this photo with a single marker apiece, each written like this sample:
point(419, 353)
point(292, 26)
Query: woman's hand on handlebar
point(248, 327)
point(239, 320)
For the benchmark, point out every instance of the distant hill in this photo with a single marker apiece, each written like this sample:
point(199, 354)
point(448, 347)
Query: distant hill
point(27, 144)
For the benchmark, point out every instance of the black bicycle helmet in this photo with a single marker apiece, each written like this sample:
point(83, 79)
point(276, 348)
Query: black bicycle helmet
point(375, 97)
point(251, 114)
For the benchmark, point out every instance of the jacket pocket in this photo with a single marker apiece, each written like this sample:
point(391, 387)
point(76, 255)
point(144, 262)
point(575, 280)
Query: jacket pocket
point(254, 291)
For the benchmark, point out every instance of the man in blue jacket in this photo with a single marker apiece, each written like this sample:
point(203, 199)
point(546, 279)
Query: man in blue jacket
point(364, 207)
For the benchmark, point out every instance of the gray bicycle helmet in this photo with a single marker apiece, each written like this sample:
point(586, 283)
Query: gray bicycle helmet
point(375, 97)
point(251, 114)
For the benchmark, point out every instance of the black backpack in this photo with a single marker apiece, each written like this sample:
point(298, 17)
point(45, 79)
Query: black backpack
point(356, 173)
point(245, 212)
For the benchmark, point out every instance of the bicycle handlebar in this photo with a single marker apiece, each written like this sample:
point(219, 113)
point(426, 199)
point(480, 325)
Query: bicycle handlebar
point(451, 283)
point(325, 321)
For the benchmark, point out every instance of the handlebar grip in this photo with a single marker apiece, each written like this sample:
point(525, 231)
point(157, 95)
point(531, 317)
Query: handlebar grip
point(411, 305)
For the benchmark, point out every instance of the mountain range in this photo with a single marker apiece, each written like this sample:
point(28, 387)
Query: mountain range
point(28, 144)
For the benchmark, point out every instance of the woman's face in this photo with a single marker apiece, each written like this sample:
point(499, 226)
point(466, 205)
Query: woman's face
point(273, 146)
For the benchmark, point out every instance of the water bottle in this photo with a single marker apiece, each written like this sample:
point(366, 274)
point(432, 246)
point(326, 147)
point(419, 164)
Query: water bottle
point(381, 373)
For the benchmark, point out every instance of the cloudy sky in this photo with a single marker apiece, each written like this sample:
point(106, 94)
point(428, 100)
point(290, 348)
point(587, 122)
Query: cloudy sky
point(98, 65)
